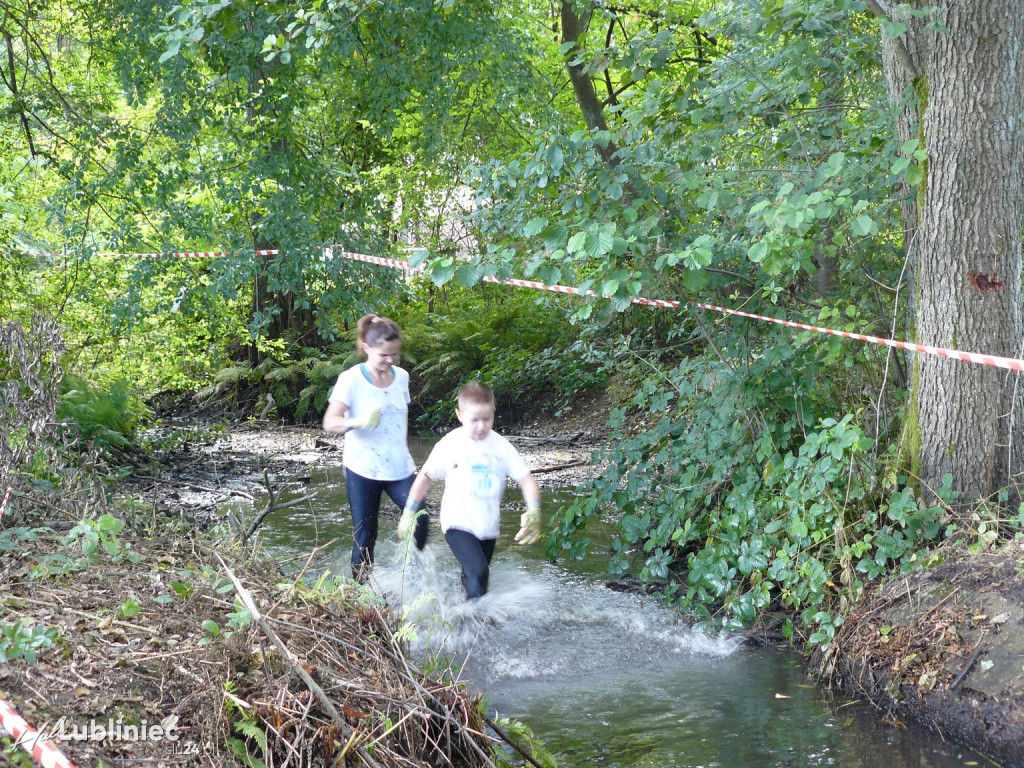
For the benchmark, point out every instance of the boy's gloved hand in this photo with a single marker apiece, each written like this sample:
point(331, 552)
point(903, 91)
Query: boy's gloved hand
point(530, 522)
point(407, 523)
point(368, 420)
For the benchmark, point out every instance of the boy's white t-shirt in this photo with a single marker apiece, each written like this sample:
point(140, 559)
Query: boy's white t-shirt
point(381, 453)
point(474, 472)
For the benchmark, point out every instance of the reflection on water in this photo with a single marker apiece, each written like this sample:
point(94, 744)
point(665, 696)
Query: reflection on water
point(604, 678)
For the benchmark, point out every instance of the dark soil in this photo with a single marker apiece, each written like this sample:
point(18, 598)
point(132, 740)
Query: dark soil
point(944, 646)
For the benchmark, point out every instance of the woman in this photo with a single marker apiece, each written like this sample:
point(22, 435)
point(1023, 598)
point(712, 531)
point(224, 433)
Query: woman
point(370, 407)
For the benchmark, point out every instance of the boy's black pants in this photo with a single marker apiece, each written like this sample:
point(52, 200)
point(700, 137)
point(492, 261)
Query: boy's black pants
point(474, 555)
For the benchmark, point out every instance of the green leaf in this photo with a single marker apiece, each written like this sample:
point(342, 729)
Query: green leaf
point(576, 242)
point(549, 274)
point(534, 226)
point(554, 236)
point(758, 251)
point(441, 274)
point(467, 275)
point(863, 225)
point(598, 244)
point(835, 164)
point(170, 53)
point(893, 29)
point(90, 542)
point(182, 588)
point(110, 524)
point(555, 158)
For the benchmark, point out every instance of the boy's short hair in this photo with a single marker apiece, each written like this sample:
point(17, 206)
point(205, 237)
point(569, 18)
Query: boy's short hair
point(475, 393)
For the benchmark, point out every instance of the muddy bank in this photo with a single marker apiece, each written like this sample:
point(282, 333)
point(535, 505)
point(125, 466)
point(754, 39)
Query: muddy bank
point(944, 647)
point(236, 462)
point(169, 652)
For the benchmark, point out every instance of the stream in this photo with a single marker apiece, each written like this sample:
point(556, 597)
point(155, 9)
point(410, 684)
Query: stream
point(604, 678)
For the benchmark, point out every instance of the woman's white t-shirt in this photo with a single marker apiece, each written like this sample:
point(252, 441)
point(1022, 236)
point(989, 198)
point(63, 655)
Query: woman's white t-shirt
point(474, 472)
point(381, 453)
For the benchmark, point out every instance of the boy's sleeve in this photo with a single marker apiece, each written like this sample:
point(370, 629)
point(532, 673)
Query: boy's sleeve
point(517, 468)
point(434, 467)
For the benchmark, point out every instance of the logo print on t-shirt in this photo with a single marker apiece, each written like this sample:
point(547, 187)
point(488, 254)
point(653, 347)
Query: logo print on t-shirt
point(481, 480)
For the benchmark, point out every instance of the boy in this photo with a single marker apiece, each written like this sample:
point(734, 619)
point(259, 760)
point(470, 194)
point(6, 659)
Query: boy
point(474, 462)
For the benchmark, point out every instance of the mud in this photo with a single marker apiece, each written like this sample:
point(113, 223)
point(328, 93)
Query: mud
point(944, 646)
point(237, 461)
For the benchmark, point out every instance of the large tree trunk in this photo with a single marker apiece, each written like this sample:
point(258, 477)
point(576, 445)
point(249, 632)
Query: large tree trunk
point(903, 62)
point(963, 419)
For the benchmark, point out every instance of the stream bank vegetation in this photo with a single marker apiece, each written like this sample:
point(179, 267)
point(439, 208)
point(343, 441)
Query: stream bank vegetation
point(189, 647)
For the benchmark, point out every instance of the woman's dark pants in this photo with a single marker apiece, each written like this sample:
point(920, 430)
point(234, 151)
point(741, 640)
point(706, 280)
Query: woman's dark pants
point(364, 501)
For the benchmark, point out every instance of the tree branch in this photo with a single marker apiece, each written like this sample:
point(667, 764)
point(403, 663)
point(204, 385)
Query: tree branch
point(902, 52)
point(573, 26)
point(12, 86)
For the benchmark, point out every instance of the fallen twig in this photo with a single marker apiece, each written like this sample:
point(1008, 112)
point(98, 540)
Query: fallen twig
point(272, 506)
point(967, 668)
point(250, 605)
point(505, 737)
point(557, 467)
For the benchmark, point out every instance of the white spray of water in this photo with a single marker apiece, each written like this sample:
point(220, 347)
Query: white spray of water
point(534, 622)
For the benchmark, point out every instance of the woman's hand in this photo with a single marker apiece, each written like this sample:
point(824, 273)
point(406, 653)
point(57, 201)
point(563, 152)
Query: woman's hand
point(368, 420)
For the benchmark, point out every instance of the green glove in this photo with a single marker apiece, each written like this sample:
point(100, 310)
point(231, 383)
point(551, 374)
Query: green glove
point(408, 521)
point(530, 522)
point(368, 420)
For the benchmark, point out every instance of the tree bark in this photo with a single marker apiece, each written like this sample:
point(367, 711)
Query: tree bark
point(573, 27)
point(964, 418)
point(903, 62)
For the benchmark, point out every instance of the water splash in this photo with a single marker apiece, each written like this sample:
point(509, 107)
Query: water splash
point(534, 623)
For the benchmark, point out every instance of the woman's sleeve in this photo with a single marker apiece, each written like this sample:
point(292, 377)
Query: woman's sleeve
point(342, 392)
point(405, 386)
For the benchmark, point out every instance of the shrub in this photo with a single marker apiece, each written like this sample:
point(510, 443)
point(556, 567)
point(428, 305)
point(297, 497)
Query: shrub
point(738, 507)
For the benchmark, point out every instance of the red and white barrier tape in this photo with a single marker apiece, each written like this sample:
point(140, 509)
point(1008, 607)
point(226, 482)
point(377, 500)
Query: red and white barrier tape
point(30, 739)
point(3, 507)
point(1007, 363)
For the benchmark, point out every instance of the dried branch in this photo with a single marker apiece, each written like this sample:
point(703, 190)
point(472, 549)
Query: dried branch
point(293, 662)
point(272, 506)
